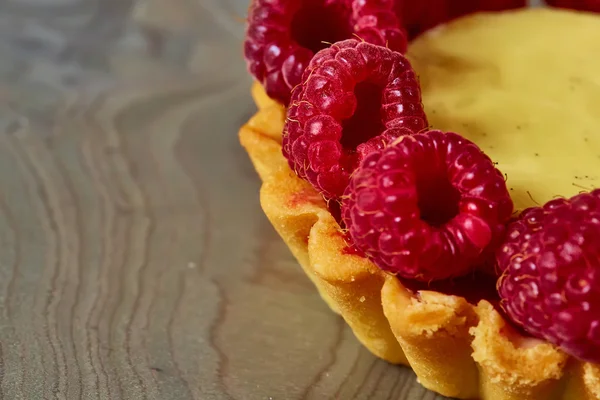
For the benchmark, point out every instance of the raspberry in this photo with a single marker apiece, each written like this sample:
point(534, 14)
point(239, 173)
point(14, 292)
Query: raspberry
point(429, 207)
point(356, 97)
point(551, 273)
point(581, 5)
point(419, 16)
point(283, 35)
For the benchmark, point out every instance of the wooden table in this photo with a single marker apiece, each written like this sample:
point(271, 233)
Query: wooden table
point(136, 262)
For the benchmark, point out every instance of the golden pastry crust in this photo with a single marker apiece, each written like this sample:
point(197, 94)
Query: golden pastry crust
point(456, 348)
point(512, 366)
point(433, 331)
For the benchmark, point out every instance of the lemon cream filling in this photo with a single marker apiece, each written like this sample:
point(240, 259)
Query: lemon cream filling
point(524, 86)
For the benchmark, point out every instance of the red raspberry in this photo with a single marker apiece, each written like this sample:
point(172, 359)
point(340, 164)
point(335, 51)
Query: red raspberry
point(429, 207)
point(581, 5)
point(356, 97)
point(551, 280)
point(283, 35)
point(419, 16)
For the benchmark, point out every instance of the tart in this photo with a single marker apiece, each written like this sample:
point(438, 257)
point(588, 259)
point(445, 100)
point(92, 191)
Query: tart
point(523, 87)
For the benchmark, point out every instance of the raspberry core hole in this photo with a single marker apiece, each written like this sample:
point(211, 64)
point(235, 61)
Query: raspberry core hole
point(438, 199)
point(366, 122)
point(315, 24)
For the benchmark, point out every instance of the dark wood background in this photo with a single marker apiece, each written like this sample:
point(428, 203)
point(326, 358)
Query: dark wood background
point(135, 261)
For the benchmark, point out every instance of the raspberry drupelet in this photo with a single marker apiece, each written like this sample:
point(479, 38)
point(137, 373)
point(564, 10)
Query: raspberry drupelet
point(356, 97)
point(429, 207)
point(551, 273)
point(283, 35)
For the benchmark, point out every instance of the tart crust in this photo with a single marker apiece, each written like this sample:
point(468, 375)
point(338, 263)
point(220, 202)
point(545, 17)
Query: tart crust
point(456, 348)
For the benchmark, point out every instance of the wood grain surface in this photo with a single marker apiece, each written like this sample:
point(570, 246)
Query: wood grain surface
point(135, 261)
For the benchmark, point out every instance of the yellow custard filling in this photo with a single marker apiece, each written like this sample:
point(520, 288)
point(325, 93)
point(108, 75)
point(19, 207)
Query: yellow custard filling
point(524, 86)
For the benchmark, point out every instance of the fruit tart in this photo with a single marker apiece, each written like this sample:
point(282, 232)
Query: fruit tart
point(437, 181)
